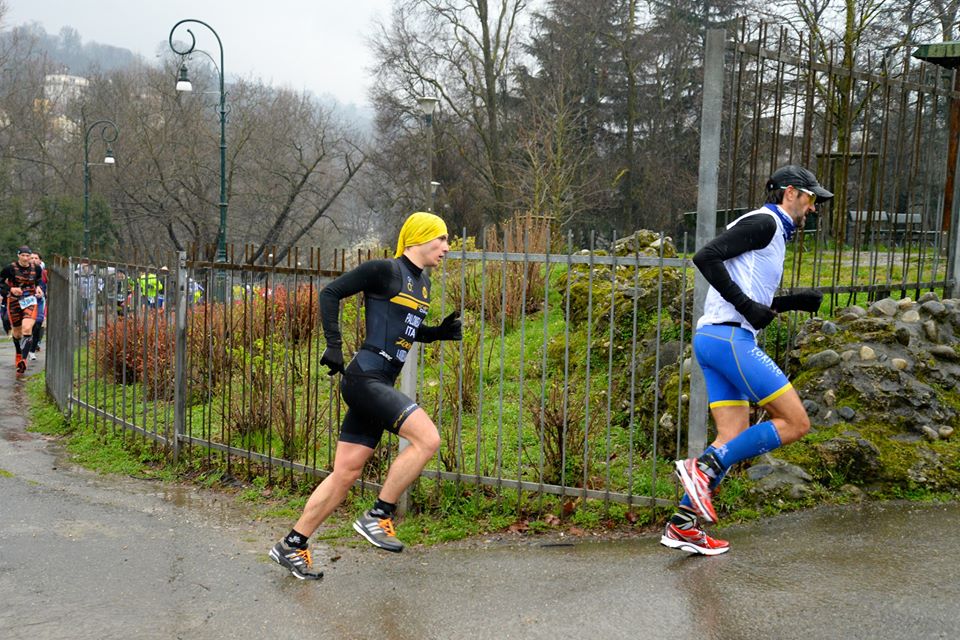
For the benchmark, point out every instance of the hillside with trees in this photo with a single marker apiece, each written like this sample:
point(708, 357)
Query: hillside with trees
point(586, 112)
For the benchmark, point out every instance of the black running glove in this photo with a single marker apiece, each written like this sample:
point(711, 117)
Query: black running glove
point(333, 358)
point(758, 315)
point(450, 328)
point(803, 300)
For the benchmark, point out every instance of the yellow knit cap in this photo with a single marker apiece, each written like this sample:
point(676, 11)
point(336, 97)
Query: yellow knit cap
point(419, 228)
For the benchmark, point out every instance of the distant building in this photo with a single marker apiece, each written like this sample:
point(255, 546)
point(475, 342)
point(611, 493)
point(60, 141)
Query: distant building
point(60, 89)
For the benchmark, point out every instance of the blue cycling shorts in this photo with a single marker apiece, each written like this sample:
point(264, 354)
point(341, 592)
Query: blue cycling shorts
point(736, 370)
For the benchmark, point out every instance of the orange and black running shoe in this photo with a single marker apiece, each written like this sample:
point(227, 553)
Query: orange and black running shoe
point(378, 531)
point(298, 561)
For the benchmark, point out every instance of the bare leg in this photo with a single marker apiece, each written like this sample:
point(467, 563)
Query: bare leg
point(347, 467)
point(731, 421)
point(424, 442)
point(789, 416)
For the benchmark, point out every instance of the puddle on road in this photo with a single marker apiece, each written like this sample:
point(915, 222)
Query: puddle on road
point(12, 434)
point(13, 420)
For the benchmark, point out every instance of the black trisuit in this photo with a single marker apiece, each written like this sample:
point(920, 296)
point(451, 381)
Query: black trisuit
point(396, 299)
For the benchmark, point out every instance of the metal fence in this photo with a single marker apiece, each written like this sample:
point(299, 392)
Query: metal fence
point(566, 382)
point(875, 133)
point(573, 377)
point(876, 136)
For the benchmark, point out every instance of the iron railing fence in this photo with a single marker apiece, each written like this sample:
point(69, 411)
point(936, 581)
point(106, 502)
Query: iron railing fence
point(875, 134)
point(568, 381)
point(59, 365)
point(572, 378)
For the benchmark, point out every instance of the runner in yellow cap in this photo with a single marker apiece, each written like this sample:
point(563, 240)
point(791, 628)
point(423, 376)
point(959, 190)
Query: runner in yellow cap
point(397, 298)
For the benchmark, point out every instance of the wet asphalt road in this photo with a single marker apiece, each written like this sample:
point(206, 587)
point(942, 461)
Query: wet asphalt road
point(84, 556)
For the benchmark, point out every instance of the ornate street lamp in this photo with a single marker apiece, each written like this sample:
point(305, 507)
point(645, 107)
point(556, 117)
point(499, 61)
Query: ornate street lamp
point(183, 84)
point(108, 133)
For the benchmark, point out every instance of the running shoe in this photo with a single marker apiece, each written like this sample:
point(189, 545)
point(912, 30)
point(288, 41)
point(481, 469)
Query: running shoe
point(21, 364)
point(694, 540)
point(298, 561)
point(33, 356)
point(378, 531)
point(697, 485)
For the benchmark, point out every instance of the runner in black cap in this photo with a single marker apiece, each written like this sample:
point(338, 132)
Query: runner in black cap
point(744, 265)
point(798, 177)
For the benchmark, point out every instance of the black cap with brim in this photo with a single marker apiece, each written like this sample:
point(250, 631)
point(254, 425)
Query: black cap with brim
point(800, 177)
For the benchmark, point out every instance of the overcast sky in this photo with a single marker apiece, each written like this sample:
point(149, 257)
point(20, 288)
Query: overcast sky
point(318, 45)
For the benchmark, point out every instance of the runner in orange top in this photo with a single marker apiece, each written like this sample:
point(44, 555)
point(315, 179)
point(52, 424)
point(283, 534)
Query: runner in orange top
point(23, 278)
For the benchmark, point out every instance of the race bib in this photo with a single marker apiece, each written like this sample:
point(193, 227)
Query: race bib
point(28, 301)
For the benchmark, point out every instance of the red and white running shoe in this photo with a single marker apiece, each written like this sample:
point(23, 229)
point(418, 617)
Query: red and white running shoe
point(697, 485)
point(693, 540)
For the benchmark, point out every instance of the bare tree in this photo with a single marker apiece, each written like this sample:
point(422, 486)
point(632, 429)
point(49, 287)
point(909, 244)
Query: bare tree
point(461, 52)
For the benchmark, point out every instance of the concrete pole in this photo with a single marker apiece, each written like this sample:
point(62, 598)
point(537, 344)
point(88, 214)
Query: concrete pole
point(707, 195)
point(180, 357)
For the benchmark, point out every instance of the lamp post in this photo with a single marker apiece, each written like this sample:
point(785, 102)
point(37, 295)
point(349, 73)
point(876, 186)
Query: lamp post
point(427, 106)
point(108, 134)
point(434, 185)
point(183, 84)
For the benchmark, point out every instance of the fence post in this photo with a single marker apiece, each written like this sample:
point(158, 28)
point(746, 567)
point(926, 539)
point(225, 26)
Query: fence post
point(180, 357)
point(72, 341)
point(707, 190)
point(953, 241)
point(408, 387)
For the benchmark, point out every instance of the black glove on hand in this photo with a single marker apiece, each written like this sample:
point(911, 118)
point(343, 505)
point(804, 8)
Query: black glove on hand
point(803, 300)
point(333, 358)
point(758, 315)
point(450, 328)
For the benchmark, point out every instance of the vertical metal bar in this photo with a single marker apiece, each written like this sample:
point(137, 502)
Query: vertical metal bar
point(440, 362)
point(461, 462)
point(566, 363)
point(523, 343)
point(706, 216)
point(633, 369)
point(656, 379)
point(96, 350)
point(110, 333)
point(683, 326)
point(87, 328)
point(504, 276)
point(72, 339)
point(144, 369)
point(180, 357)
point(543, 362)
point(483, 313)
point(268, 327)
point(610, 340)
point(155, 384)
point(587, 372)
point(129, 323)
point(738, 71)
